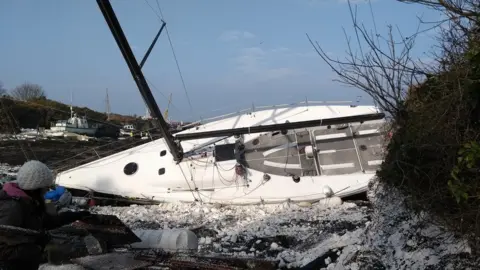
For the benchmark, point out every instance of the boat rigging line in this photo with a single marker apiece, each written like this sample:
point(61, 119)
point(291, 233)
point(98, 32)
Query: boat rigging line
point(161, 19)
point(161, 93)
point(172, 142)
point(137, 74)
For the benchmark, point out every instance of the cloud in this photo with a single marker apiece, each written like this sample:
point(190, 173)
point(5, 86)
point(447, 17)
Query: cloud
point(280, 50)
point(254, 63)
point(233, 35)
point(286, 52)
point(354, 2)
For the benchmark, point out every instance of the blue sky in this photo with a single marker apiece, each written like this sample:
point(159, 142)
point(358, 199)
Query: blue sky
point(231, 53)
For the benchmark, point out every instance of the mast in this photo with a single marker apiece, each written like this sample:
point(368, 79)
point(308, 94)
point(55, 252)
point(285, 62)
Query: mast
point(168, 107)
point(71, 104)
point(117, 32)
point(107, 105)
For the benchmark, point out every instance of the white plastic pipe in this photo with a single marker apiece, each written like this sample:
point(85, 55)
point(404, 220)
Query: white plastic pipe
point(168, 240)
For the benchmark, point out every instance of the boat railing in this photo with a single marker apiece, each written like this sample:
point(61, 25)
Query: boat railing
point(93, 154)
point(254, 108)
point(59, 123)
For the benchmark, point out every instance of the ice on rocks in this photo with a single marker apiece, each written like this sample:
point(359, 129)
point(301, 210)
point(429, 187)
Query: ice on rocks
point(382, 234)
point(208, 240)
point(349, 235)
point(262, 230)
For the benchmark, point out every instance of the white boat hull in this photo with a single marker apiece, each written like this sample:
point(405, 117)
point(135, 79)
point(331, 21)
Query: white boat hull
point(79, 131)
point(340, 163)
point(82, 131)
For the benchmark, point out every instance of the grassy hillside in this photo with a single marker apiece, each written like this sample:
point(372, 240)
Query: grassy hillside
point(434, 154)
point(40, 112)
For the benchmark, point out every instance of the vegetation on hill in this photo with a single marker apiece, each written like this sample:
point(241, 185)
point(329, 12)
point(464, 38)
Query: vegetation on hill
point(434, 154)
point(27, 106)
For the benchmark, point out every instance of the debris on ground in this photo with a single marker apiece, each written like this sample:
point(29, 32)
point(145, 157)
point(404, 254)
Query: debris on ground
point(381, 233)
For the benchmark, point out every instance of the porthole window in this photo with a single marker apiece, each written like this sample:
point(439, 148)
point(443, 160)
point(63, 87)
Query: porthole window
point(163, 153)
point(255, 142)
point(363, 147)
point(131, 168)
point(161, 171)
point(296, 178)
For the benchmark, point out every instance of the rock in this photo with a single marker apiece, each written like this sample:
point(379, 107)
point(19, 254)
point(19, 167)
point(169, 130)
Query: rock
point(208, 240)
point(354, 266)
point(274, 246)
point(328, 202)
point(304, 204)
point(411, 243)
point(217, 246)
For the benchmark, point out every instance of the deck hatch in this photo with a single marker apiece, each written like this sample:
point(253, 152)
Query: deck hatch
point(224, 152)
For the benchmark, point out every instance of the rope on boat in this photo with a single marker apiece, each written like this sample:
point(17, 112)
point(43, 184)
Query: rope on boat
point(195, 186)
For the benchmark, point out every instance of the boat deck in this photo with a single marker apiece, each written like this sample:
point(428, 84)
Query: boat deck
point(338, 151)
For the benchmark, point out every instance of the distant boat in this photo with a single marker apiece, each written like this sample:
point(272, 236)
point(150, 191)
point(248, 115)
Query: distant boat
point(75, 124)
point(127, 130)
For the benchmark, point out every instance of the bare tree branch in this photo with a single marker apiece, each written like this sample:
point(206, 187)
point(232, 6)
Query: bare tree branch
point(28, 91)
point(469, 9)
point(385, 75)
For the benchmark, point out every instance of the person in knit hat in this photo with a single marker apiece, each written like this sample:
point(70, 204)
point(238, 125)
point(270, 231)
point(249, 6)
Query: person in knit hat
point(34, 175)
point(22, 205)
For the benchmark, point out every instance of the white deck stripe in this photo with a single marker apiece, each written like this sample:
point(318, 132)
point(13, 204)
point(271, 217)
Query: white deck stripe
point(337, 166)
point(327, 151)
point(368, 131)
point(330, 136)
point(278, 148)
point(282, 165)
point(374, 162)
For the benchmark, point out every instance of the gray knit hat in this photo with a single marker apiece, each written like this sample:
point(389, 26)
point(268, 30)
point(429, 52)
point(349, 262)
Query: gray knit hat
point(34, 175)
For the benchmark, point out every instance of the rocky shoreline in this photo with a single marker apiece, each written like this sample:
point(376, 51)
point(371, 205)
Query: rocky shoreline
point(381, 233)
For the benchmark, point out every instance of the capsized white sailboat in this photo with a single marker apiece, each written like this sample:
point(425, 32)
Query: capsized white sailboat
point(289, 153)
point(301, 165)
